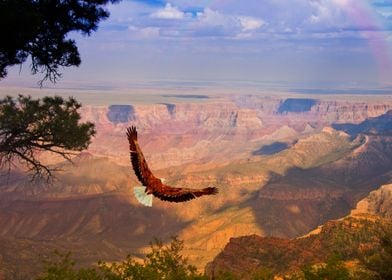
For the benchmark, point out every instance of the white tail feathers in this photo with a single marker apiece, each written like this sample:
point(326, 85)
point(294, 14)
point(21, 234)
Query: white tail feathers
point(142, 196)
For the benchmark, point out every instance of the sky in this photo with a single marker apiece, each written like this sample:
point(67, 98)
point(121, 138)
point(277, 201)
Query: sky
point(295, 43)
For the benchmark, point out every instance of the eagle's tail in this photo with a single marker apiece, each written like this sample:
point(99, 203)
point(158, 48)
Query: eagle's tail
point(142, 196)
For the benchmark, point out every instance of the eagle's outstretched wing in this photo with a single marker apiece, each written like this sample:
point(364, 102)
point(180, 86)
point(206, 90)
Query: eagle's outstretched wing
point(139, 164)
point(171, 194)
point(153, 184)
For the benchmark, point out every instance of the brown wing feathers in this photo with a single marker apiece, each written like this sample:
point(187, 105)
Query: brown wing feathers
point(146, 177)
point(181, 195)
point(139, 164)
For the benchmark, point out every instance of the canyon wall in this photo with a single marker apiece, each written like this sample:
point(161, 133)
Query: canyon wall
point(191, 132)
point(282, 165)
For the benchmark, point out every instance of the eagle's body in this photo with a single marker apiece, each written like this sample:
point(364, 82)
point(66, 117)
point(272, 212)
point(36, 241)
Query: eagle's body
point(153, 185)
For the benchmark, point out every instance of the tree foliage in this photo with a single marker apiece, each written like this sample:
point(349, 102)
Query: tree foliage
point(40, 29)
point(61, 267)
point(380, 263)
point(163, 262)
point(31, 126)
point(334, 269)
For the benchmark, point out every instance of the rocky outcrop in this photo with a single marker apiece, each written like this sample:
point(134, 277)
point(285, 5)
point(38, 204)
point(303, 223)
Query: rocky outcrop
point(378, 202)
point(353, 235)
point(376, 125)
point(351, 238)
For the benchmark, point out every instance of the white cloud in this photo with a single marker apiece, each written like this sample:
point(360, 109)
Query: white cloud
point(342, 3)
point(326, 11)
point(228, 25)
point(169, 12)
point(212, 23)
point(322, 12)
point(339, 13)
point(211, 17)
point(149, 32)
point(250, 23)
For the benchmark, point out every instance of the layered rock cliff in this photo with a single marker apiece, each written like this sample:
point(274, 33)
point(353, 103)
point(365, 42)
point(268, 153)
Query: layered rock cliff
point(230, 128)
point(352, 238)
point(378, 202)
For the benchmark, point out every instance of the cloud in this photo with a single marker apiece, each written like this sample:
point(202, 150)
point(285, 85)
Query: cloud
point(247, 19)
point(214, 23)
point(168, 12)
point(212, 17)
point(342, 3)
point(149, 32)
point(347, 15)
point(250, 23)
point(327, 13)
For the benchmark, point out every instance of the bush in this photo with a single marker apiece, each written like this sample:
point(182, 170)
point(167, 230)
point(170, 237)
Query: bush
point(163, 262)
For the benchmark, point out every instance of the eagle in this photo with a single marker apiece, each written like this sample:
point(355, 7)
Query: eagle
point(153, 186)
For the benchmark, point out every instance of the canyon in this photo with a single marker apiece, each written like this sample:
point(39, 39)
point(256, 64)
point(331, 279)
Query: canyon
point(284, 164)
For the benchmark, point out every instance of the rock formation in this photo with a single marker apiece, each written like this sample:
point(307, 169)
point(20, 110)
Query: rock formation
point(319, 174)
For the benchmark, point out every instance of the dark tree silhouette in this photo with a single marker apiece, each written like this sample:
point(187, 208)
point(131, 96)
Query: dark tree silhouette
point(29, 127)
point(39, 29)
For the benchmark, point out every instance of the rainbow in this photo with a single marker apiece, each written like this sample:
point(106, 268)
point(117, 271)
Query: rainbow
point(364, 16)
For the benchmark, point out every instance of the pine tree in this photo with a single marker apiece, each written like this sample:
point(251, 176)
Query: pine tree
point(51, 124)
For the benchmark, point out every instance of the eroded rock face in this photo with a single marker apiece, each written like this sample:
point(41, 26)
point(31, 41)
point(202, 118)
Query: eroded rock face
point(190, 132)
point(245, 255)
point(373, 125)
point(249, 112)
point(350, 109)
point(378, 202)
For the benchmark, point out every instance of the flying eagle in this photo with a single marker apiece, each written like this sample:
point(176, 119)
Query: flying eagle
point(153, 186)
